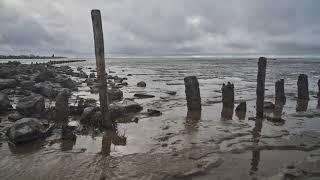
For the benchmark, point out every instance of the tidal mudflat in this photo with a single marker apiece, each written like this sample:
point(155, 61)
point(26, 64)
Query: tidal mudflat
point(156, 136)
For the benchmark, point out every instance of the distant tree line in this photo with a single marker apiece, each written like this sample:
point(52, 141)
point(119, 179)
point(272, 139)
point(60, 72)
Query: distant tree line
point(31, 56)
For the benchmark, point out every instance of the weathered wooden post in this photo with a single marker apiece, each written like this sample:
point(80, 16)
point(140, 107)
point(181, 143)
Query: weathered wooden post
point(101, 71)
point(227, 101)
point(303, 89)
point(262, 65)
point(192, 93)
point(62, 107)
point(279, 90)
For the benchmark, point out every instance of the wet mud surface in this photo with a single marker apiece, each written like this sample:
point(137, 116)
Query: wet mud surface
point(184, 145)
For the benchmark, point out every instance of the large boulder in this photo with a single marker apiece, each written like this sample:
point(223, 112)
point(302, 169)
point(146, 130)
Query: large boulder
point(45, 76)
point(33, 104)
point(69, 83)
point(48, 89)
point(4, 102)
point(6, 72)
point(82, 74)
point(8, 83)
point(87, 115)
point(28, 85)
point(25, 130)
point(115, 94)
point(118, 109)
point(15, 116)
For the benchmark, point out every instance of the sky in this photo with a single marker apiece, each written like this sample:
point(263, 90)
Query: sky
point(161, 27)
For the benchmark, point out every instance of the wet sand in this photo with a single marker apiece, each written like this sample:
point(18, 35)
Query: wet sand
point(178, 144)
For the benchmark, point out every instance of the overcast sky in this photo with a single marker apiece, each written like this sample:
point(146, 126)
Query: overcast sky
point(161, 27)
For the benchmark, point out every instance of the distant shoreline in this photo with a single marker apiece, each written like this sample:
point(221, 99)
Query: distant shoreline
point(30, 57)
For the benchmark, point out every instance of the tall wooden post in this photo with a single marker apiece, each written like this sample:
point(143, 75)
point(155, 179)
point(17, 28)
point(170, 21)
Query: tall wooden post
point(279, 90)
point(262, 65)
point(101, 69)
point(192, 93)
point(303, 89)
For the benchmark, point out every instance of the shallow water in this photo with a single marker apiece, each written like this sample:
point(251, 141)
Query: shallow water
point(175, 129)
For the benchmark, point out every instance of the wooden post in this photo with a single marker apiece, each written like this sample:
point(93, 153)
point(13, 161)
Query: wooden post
point(279, 90)
point(101, 69)
point(227, 101)
point(192, 93)
point(303, 89)
point(261, 77)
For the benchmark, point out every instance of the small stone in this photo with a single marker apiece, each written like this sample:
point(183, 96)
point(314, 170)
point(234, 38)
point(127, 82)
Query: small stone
point(143, 96)
point(152, 112)
point(141, 84)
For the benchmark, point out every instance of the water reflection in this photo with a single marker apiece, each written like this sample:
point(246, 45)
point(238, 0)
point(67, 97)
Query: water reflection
point(26, 148)
point(241, 114)
point(192, 120)
point(112, 137)
point(227, 112)
point(67, 145)
point(256, 134)
point(277, 112)
point(302, 105)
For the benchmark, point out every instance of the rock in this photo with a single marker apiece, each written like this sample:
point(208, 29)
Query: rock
point(172, 92)
point(48, 89)
point(242, 106)
point(115, 94)
point(141, 84)
point(8, 91)
point(4, 102)
point(79, 68)
point(89, 81)
point(25, 130)
point(8, 83)
point(82, 74)
point(7, 72)
point(92, 75)
point(118, 109)
point(69, 83)
point(33, 104)
point(118, 79)
point(129, 74)
point(28, 85)
point(87, 114)
point(45, 76)
point(143, 96)
point(268, 105)
point(15, 116)
point(152, 112)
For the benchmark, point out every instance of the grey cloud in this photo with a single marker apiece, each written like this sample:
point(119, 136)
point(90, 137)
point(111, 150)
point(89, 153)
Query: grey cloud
point(147, 27)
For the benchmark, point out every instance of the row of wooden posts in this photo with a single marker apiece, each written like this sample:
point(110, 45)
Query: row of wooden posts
point(191, 83)
point(194, 99)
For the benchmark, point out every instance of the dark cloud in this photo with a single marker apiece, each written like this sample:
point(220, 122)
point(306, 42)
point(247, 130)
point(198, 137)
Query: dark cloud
point(148, 27)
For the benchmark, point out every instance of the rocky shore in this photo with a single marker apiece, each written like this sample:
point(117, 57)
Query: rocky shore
point(36, 99)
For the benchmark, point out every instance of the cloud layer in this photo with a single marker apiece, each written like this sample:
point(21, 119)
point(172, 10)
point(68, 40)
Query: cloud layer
point(161, 27)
